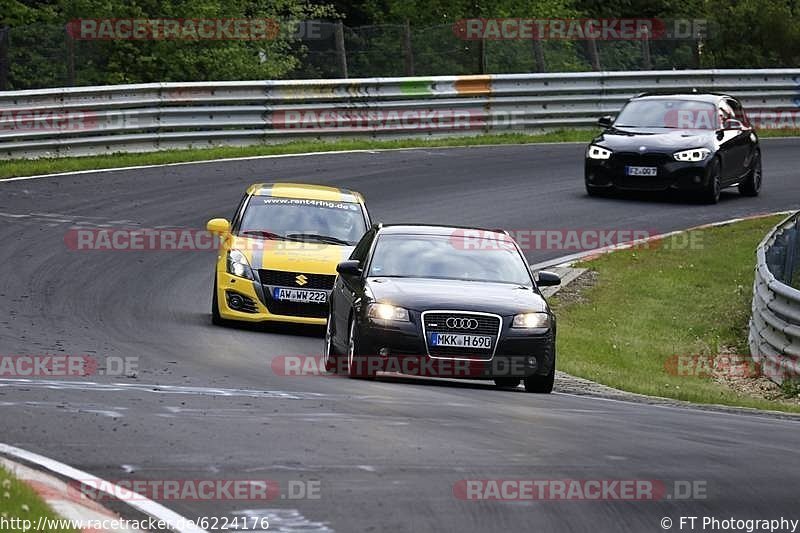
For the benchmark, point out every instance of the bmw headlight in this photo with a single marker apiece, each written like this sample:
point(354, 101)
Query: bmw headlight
point(387, 312)
point(693, 155)
point(597, 152)
point(238, 265)
point(531, 320)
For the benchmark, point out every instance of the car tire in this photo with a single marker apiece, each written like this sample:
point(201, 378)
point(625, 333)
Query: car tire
point(751, 185)
point(330, 359)
point(507, 383)
point(541, 384)
point(711, 193)
point(216, 318)
point(354, 351)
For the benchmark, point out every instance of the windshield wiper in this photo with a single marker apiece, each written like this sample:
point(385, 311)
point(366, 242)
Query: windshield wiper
point(315, 237)
point(264, 234)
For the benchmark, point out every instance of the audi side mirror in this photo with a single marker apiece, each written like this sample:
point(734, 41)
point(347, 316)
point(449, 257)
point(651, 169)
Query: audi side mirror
point(350, 268)
point(547, 279)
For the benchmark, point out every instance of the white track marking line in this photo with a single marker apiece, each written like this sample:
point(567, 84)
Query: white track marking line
point(272, 156)
point(372, 151)
point(156, 389)
point(176, 522)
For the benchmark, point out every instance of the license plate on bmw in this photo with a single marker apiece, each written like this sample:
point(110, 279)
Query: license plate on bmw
point(306, 296)
point(461, 341)
point(641, 171)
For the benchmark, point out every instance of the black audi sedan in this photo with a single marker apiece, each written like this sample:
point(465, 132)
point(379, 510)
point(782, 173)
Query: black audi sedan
point(438, 301)
point(690, 142)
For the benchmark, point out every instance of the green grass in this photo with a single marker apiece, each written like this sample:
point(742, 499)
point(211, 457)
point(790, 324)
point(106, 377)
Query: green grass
point(652, 304)
point(766, 134)
point(18, 500)
point(13, 168)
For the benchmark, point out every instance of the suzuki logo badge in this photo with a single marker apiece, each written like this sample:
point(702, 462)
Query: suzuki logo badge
point(301, 279)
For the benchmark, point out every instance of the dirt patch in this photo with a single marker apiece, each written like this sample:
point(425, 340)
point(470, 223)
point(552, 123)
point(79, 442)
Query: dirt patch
point(758, 387)
point(573, 293)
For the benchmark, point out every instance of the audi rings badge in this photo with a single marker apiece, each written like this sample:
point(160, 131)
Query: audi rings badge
point(454, 322)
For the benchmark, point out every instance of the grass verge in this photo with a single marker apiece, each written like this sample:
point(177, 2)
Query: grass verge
point(687, 297)
point(14, 168)
point(18, 500)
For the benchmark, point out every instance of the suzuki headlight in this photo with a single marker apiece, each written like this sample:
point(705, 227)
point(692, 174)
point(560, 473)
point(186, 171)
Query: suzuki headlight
point(693, 155)
point(387, 312)
point(238, 265)
point(597, 152)
point(531, 320)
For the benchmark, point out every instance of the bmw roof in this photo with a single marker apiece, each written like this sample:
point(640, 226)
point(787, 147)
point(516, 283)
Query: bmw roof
point(700, 97)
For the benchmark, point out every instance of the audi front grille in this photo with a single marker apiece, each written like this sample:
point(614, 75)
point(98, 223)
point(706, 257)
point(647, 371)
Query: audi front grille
point(461, 322)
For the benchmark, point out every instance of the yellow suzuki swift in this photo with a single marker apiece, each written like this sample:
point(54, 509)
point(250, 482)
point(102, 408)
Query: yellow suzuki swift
point(278, 255)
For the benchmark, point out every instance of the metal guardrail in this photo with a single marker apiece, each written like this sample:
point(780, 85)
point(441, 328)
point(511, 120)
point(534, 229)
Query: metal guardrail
point(775, 322)
point(158, 116)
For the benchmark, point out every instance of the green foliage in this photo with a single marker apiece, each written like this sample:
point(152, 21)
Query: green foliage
point(39, 51)
point(754, 34)
point(743, 34)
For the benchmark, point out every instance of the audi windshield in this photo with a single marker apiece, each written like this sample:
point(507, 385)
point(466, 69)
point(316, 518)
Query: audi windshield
point(448, 257)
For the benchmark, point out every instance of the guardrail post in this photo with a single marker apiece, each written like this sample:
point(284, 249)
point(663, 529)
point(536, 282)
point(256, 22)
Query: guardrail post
point(408, 51)
point(538, 56)
point(70, 46)
point(594, 55)
point(341, 53)
point(482, 56)
point(791, 253)
point(4, 45)
point(648, 63)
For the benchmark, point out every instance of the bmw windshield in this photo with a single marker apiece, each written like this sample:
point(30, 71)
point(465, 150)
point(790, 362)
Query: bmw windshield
point(671, 114)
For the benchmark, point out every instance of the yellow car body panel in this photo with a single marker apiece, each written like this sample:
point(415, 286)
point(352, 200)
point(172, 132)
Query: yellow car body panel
point(288, 256)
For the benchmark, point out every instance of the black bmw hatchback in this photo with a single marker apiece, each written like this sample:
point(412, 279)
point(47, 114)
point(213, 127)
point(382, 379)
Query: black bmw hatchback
point(690, 142)
point(438, 301)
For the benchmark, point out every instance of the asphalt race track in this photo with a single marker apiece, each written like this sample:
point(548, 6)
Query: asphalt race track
point(206, 404)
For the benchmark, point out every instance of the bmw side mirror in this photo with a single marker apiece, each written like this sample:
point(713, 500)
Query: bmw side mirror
point(605, 121)
point(547, 279)
point(733, 124)
point(351, 269)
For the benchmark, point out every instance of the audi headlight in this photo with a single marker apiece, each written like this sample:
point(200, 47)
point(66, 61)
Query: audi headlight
point(238, 265)
point(531, 320)
point(693, 155)
point(387, 312)
point(597, 152)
